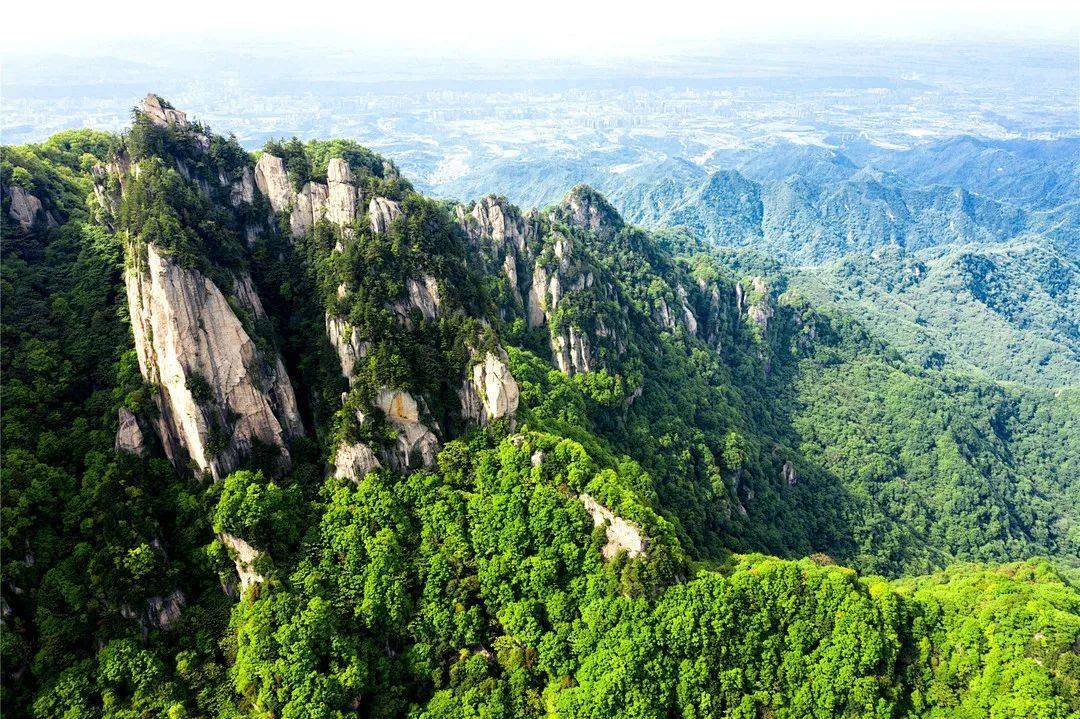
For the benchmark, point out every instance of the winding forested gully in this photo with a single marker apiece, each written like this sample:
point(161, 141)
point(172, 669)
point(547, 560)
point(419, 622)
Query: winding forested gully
point(285, 438)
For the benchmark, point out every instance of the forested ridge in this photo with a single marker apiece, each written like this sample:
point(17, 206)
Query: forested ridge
point(541, 463)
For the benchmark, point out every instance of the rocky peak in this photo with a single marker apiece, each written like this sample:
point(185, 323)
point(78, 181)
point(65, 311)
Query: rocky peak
point(502, 236)
point(161, 113)
point(585, 208)
point(336, 200)
point(494, 219)
point(273, 182)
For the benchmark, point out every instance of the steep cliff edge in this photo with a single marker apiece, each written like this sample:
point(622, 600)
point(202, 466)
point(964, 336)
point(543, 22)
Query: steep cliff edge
point(222, 390)
point(219, 393)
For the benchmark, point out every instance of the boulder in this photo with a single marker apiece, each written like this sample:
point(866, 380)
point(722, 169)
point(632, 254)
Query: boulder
point(24, 207)
point(129, 436)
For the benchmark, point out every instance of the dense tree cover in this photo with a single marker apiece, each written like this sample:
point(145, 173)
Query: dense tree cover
point(478, 587)
point(1007, 311)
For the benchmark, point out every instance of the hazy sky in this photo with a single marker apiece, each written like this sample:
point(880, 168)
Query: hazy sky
point(550, 28)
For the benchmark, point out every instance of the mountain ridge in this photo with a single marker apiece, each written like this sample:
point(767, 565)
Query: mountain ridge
point(527, 445)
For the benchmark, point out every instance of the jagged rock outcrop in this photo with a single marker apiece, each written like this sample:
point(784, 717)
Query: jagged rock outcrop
point(539, 291)
point(571, 347)
point(218, 393)
point(759, 304)
point(273, 182)
point(381, 212)
point(715, 317)
point(416, 445)
point(622, 535)
point(490, 391)
point(572, 352)
point(25, 208)
point(350, 347)
point(242, 190)
point(244, 557)
point(342, 194)
point(421, 294)
point(502, 236)
point(353, 461)
point(162, 113)
point(308, 208)
point(788, 474)
point(163, 612)
point(670, 318)
point(336, 201)
point(129, 436)
point(584, 207)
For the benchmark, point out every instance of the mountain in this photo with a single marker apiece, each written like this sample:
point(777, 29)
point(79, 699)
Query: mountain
point(1005, 311)
point(1029, 174)
point(284, 437)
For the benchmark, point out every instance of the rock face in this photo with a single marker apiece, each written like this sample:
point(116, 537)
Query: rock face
point(242, 191)
point(382, 212)
point(490, 392)
point(273, 182)
point(24, 206)
point(163, 612)
point(416, 445)
point(571, 351)
point(336, 201)
point(218, 392)
point(423, 295)
point(622, 535)
point(353, 461)
point(309, 208)
point(350, 348)
point(501, 236)
point(551, 282)
point(129, 436)
point(161, 113)
point(341, 198)
point(787, 474)
point(244, 557)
